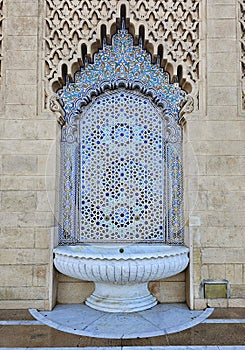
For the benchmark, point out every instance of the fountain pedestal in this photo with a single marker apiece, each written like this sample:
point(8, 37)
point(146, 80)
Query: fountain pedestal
point(111, 297)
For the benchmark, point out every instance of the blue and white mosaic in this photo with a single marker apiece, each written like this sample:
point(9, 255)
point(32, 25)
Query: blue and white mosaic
point(122, 150)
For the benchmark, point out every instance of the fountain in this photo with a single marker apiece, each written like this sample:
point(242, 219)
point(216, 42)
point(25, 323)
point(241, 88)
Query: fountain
point(121, 212)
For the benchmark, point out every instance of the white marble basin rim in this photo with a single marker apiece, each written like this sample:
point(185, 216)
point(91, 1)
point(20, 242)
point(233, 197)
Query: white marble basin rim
point(121, 272)
point(123, 251)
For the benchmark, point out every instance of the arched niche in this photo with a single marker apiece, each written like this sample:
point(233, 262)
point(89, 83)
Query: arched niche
point(121, 67)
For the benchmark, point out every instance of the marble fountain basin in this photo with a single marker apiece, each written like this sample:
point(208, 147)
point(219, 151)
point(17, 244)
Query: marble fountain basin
point(121, 272)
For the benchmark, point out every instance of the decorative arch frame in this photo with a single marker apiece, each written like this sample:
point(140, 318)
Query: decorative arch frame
point(119, 65)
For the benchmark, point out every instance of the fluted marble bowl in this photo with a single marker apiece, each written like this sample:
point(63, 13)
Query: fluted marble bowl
point(121, 272)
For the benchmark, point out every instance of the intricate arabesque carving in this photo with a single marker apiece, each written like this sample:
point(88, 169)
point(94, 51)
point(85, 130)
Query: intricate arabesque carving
point(242, 49)
point(171, 27)
point(1, 35)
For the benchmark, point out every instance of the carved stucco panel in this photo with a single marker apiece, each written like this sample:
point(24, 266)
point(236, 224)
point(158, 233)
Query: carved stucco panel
point(1, 36)
point(172, 31)
point(241, 20)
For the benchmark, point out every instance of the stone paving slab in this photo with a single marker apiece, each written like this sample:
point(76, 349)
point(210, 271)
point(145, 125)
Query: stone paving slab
point(82, 320)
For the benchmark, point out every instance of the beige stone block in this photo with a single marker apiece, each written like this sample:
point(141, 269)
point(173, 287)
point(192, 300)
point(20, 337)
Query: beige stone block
point(216, 272)
point(195, 233)
point(200, 304)
point(8, 219)
point(40, 276)
point(22, 60)
point(25, 183)
point(196, 166)
point(231, 201)
point(23, 129)
point(180, 277)
point(217, 62)
point(227, 148)
point(237, 291)
point(197, 200)
point(197, 291)
point(21, 94)
point(223, 165)
point(192, 183)
point(21, 77)
point(205, 272)
point(222, 237)
point(21, 42)
point(22, 304)
point(23, 165)
point(43, 201)
point(238, 275)
point(222, 96)
point(171, 292)
point(236, 302)
point(233, 219)
point(16, 238)
point(16, 276)
point(23, 293)
point(216, 200)
point(234, 183)
point(19, 200)
point(217, 183)
point(42, 238)
point(217, 45)
point(197, 265)
point(242, 165)
point(222, 113)
point(221, 28)
point(23, 9)
point(242, 129)
point(214, 131)
point(24, 256)
point(154, 288)
point(221, 11)
point(217, 302)
point(209, 183)
point(221, 256)
point(43, 169)
point(36, 219)
point(64, 278)
point(20, 112)
point(69, 293)
point(22, 147)
point(221, 79)
point(229, 272)
point(212, 219)
point(22, 26)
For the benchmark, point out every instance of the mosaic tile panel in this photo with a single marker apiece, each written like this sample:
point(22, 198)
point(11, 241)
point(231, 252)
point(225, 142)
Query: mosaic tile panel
point(122, 168)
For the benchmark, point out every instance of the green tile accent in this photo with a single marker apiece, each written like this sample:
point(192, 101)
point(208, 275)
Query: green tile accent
point(215, 291)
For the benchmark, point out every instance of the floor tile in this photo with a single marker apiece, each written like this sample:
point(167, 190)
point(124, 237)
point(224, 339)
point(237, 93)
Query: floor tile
point(82, 320)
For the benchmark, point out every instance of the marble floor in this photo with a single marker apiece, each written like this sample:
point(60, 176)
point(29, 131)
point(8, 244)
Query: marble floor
point(159, 320)
point(224, 329)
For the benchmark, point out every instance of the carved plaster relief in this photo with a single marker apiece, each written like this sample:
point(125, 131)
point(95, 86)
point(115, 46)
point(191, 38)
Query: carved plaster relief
point(170, 29)
point(1, 36)
point(241, 14)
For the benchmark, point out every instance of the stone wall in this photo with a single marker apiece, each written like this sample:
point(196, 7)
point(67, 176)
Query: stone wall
point(214, 160)
point(217, 140)
point(26, 139)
